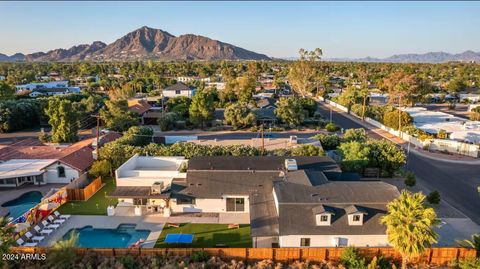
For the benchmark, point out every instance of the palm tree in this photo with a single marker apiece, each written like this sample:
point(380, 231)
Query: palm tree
point(6, 237)
point(410, 225)
point(473, 243)
point(63, 253)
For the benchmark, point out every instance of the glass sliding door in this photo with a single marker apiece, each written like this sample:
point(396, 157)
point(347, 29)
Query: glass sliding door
point(235, 204)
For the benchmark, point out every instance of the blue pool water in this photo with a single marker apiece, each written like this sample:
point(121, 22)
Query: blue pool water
point(23, 203)
point(122, 237)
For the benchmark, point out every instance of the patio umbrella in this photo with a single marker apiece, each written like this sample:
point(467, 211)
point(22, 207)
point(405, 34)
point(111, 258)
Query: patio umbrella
point(48, 206)
point(21, 226)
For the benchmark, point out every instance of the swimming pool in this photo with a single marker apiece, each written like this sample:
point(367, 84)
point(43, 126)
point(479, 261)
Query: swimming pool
point(121, 237)
point(23, 203)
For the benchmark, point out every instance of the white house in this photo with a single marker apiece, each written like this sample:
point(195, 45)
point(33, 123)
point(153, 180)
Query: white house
point(290, 200)
point(179, 89)
point(2, 78)
point(48, 85)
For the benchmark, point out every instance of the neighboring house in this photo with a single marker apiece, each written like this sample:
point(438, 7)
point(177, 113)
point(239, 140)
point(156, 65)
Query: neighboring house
point(53, 91)
point(46, 88)
point(149, 114)
point(179, 89)
point(31, 162)
point(217, 85)
point(190, 79)
point(265, 111)
point(2, 78)
point(33, 86)
point(290, 201)
point(471, 97)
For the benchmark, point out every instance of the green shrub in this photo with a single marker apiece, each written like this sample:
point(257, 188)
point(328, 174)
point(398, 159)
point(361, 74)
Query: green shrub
point(100, 168)
point(351, 259)
point(358, 134)
point(410, 179)
point(167, 121)
point(331, 127)
point(470, 263)
point(433, 198)
point(128, 261)
point(328, 141)
point(200, 256)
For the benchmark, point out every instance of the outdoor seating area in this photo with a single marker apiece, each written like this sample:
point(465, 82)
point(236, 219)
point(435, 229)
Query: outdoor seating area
point(40, 231)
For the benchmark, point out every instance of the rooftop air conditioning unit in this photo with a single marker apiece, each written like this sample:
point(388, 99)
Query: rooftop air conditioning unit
point(157, 188)
point(291, 164)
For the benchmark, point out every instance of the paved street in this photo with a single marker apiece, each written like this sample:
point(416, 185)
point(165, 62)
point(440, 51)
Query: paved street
point(456, 182)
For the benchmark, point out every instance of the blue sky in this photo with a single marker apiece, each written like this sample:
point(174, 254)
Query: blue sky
point(279, 29)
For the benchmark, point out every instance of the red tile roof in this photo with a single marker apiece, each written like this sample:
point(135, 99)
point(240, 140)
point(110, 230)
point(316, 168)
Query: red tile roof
point(78, 155)
point(139, 105)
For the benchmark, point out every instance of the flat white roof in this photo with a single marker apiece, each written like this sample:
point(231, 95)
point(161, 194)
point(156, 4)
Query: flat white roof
point(23, 167)
point(434, 121)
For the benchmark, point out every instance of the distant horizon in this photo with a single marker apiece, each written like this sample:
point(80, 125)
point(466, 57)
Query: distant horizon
point(349, 30)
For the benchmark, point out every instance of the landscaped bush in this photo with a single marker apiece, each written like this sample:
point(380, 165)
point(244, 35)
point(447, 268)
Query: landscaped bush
point(433, 197)
point(328, 141)
point(410, 179)
point(167, 121)
point(331, 127)
point(351, 259)
point(358, 134)
point(390, 119)
point(200, 256)
point(100, 168)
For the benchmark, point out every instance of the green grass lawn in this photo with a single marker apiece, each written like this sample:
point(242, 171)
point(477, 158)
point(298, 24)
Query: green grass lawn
point(208, 235)
point(96, 205)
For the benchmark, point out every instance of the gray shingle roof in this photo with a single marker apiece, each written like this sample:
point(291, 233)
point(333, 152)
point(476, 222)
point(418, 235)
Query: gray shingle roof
point(261, 163)
point(299, 219)
point(179, 86)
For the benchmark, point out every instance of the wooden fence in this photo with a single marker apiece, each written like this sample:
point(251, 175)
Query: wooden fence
point(85, 193)
point(433, 256)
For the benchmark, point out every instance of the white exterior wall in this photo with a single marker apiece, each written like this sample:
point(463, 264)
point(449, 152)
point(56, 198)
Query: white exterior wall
point(209, 205)
point(264, 241)
point(186, 93)
point(51, 174)
point(328, 240)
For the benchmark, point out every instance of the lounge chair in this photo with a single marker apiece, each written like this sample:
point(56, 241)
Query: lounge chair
point(42, 231)
point(22, 243)
point(175, 225)
point(233, 226)
point(58, 215)
point(34, 238)
point(49, 226)
point(55, 220)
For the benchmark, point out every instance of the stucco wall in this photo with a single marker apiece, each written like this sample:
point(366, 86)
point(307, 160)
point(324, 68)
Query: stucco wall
point(51, 173)
point(264, 241)
point(208, 205)
point(327, 240)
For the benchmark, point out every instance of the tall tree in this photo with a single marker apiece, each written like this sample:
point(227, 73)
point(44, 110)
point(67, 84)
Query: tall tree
point(290, 111)
point(410, 225)
point(302, 73)
point(239, 115)
point(64, 120)
point(202, 107)
point(246, 88)
point(7, 91)
point(116, 115)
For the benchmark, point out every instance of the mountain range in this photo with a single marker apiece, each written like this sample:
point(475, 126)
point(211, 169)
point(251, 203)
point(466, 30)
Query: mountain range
point(145, 43)
point(149, 43)
point(430, 57)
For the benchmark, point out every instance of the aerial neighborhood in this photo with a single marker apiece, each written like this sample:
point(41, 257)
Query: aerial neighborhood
point(159, 150)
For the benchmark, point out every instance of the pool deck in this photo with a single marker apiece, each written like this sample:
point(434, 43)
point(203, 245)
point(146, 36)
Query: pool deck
point(8, 194)
point(149, 222)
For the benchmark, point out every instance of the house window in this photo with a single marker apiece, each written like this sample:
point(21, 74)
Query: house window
point(356, 217)
point(61, 171)
point(304, 242)
point(185, 201)
point(324, 218)
point(235, 204)
point(177, 92)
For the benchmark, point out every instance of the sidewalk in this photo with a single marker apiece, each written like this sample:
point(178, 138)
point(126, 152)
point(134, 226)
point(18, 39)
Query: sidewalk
point(453, 158)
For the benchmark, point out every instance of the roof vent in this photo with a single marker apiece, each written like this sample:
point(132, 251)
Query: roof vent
point(291, 164)
point(157, 188)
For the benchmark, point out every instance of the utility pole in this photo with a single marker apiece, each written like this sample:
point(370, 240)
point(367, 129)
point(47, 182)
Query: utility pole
point(98, 135)
point(364, 104)
point(399, 113)
point(330, 115)
point(263, 140)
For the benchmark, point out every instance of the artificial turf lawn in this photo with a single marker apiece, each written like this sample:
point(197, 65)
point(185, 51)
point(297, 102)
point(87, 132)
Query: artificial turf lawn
point(96, 205)
point(208, 235)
